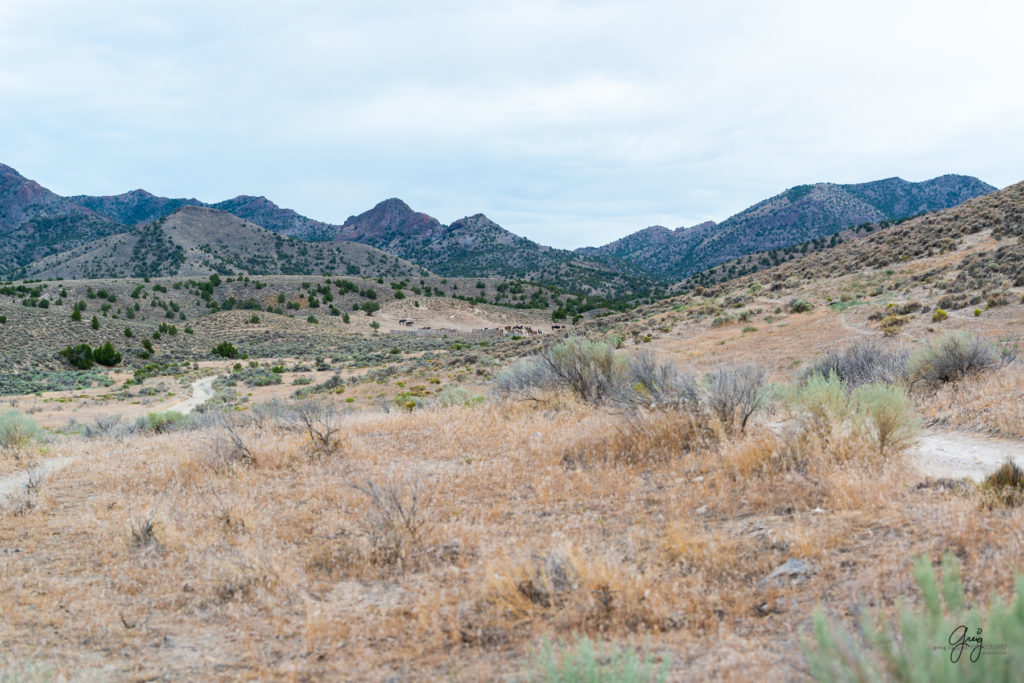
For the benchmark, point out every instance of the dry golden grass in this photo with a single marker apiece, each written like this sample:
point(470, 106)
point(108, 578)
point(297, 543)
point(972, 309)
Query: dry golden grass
point(992, 402)
point(148, 557)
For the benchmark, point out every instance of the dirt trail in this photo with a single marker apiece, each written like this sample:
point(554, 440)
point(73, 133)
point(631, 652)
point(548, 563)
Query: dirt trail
point(202, 391)
point(958, 455)
point(10, 486)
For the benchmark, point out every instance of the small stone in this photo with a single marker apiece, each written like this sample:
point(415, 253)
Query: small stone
point(792, 569)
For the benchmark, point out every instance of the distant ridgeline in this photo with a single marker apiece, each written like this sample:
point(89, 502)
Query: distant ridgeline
point(137, 234)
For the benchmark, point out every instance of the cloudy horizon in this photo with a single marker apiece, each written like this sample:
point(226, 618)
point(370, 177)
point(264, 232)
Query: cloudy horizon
point(571, 123)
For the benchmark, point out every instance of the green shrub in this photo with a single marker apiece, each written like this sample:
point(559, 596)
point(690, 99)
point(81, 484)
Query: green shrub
point(881, 414)
point(79, 356)
point(800, 306)
point(939, 315)
point(452, 395)
point(258, 377)
point(3, 319)
point(823, 401)
point(225, 349)
point(163, 422)
point(930, 645)
point(582, 663)
point(17, 430)
point(886, 417)
point(107, 355)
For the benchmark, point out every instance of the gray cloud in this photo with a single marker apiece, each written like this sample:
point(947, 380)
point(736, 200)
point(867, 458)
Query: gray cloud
point(570, 122)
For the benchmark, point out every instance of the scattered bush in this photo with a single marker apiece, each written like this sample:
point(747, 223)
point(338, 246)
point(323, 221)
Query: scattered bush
point(225, 349)
point(160, 423)
point(651, 383)
point(258, 377)
point(17, 430)
point(452, 395)
point(1005, 485)
point(80, 356)
point(885, 417)
point(956, 355)
point(880, 415)
point(906, 650)
point(396, 523)
point(595, 373)
point(734, 394)
point(582, 663)
point(323, 424)
point(105, 425)
point(864, 362)
point(892, 324)
point(107, 355)
point(800, 306)
point(588, 368)
point(939, 315)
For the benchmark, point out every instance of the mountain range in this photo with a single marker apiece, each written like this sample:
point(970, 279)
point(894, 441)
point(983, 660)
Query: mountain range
point(45, 235)
point(799, 214)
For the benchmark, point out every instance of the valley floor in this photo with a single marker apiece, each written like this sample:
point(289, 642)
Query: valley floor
point(449, 542)
point(154, 557)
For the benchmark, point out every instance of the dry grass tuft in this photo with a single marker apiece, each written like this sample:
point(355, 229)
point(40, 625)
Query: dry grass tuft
point(1005, 486)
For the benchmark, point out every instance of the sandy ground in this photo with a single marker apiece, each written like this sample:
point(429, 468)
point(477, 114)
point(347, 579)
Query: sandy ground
point(202, 391)
point(958, 455)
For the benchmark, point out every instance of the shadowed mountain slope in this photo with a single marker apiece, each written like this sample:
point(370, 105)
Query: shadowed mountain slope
point(199, 240)
point(802, 213)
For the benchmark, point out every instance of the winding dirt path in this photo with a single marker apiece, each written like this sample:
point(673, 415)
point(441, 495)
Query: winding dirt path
point(959, 455)
point(10, 486)
point(202, 391)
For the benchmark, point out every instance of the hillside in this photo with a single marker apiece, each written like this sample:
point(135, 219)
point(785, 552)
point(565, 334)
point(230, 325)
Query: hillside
point(991, 226)
point(133, 208)
point(476, 246)
point(471, 247)
point(269, 215)
point(35, 222)
point(802, 213)
point(198, 241)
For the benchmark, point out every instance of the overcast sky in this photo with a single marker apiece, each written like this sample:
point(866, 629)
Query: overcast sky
point(572, 123)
